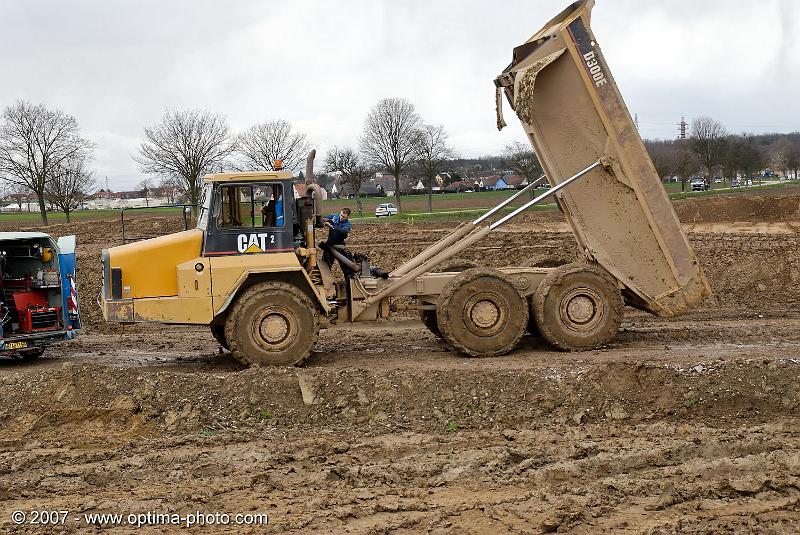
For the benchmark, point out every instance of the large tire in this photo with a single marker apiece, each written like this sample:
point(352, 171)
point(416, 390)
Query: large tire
point(272, 324)
point(578, 307)
point(218, 330)
point(428, 317)
point(481, 313)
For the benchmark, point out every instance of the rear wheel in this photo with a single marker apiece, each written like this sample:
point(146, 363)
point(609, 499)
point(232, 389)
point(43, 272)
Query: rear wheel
point(272, 324)
point(578, 307)
point(428, 317)
point(481, 313)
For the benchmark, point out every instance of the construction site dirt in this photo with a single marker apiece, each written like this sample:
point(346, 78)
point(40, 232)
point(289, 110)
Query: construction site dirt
point(683, 425)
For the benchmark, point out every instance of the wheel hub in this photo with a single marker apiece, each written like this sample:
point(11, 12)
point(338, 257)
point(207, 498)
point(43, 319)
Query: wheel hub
point(485, 314)
point(581, 309)
point(274, 328)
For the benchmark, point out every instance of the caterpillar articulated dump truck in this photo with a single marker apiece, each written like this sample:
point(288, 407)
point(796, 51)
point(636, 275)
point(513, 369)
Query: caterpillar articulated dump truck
point(252, 272)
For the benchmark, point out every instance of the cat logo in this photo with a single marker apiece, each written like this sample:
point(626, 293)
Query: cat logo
point(254, 243)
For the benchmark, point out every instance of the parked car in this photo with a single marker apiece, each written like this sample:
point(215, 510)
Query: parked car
point(698, 184)
point(385, 209)
point(735, 183)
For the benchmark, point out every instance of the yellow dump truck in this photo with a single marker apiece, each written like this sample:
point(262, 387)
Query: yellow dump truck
point(252, 272)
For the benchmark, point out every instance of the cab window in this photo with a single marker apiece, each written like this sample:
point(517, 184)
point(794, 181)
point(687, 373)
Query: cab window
point(251, 206)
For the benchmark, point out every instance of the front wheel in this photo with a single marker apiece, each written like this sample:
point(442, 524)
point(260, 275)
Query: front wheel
point(272, 324)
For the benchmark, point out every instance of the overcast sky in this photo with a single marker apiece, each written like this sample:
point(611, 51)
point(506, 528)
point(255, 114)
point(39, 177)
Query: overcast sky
point(117, 65)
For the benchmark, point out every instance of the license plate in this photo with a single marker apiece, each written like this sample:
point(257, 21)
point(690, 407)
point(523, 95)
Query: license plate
point(16, 345)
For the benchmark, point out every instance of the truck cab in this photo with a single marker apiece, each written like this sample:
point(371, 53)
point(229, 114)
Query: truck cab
point(250, 228)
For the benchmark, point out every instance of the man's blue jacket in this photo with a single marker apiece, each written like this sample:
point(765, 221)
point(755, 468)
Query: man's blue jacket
point(340, 230)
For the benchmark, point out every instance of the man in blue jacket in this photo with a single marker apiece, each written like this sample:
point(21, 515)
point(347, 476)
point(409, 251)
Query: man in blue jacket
point(339, 227)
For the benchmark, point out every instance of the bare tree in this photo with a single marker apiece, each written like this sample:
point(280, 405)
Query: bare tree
point(70, 185)
point(391, 137)
point(662, 154)
point(35, 143)
point(522, 161)
point(263, 143)
point(793, 160)
point(17, 193)
point(186, 145)
point(685, 162)
point(432, 153)
point(171, 187)
point(751, 158)
point(708, 142)
point(785, 154)
point(146, 187)
point(743, 155)
point(347, 162)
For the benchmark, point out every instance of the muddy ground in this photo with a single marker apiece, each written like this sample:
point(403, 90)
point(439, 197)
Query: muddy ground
point(687, 425)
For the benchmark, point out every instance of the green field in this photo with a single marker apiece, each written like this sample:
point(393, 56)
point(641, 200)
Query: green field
point(415, 207)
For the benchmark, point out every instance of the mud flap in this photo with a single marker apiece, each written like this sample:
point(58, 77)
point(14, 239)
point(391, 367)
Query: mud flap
point(69, 287)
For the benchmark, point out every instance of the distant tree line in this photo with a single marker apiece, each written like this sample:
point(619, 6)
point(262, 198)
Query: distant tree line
point(710, 151)
point(43, 152)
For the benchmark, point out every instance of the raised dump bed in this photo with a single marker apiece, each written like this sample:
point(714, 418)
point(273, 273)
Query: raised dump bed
point(562, 90)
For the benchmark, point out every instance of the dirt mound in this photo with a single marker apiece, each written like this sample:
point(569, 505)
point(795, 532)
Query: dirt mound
point(736, 208)
point(114, 403)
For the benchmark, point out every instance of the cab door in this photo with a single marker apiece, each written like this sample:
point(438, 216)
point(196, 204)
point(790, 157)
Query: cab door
point(250, 218)
point(69, 287)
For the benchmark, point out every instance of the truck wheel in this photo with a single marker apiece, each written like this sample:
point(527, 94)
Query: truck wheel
point(218, 330)
point(481, 313)
point(578, 307)
point(428, 317)
point(272, 324)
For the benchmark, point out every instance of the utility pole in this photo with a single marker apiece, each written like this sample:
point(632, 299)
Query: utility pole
point(682, 131)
